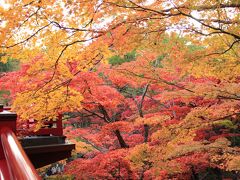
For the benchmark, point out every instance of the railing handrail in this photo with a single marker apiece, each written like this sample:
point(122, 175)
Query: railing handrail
point(18, 163)
point(56, 131)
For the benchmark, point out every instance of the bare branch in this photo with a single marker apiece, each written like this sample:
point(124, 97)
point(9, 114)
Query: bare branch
point(27, 39)
point(225, 51)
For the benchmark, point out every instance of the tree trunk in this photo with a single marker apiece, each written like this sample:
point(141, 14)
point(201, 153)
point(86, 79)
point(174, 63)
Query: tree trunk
point(104, 112)
point(140, 111)
point(146, 132)
point(120, 139)
point(194, 174)
point(218, 173)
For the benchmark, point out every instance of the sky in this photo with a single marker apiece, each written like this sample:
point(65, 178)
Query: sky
point(4, 4)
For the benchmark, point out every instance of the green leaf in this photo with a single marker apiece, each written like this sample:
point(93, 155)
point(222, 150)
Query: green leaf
point(225, 123)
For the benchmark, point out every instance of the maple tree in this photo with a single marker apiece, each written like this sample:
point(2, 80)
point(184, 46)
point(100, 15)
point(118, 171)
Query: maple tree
point(190, 115)
point(151, 87)
point(61, 31)
point(191, 122)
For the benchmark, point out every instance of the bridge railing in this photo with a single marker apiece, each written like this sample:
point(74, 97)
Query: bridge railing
point(14, 161)
point(19, 166)
point(51, 127)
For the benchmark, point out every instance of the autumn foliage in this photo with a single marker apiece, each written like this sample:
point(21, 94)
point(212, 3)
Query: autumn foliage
point(148, 89)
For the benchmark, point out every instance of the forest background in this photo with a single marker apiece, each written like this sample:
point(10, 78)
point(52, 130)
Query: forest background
point(149, 89)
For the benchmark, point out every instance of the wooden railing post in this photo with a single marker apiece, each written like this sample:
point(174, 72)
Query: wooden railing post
point(14, 162)
point(19, 165)
point(59, 125)
point(7, 120)
point(57, 130)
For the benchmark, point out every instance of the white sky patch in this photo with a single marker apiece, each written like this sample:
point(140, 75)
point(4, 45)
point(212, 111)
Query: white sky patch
point(196, 15)
point(4, 4)
point(149, 2)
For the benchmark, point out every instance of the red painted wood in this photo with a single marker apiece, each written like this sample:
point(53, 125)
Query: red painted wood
point(19, 165)
point(56, 130)
point(7, 108)
point(59, 125)
point(7, 119)
point(4, 172)
point(14, 163)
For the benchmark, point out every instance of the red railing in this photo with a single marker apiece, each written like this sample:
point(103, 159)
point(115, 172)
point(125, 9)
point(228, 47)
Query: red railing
point(51, 127)
point(14, 163)
point(19, 166)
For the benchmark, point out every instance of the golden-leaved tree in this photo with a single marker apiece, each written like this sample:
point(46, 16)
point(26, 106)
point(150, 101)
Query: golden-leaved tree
point(174, 106)
point(49, 35)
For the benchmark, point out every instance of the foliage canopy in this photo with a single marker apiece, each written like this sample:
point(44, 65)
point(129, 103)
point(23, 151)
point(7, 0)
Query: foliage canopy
point(154, 85)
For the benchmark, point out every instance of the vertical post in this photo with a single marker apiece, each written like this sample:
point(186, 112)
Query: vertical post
point(59, 125)
point(14, 163)
point(1, 108)
point(7, 120)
